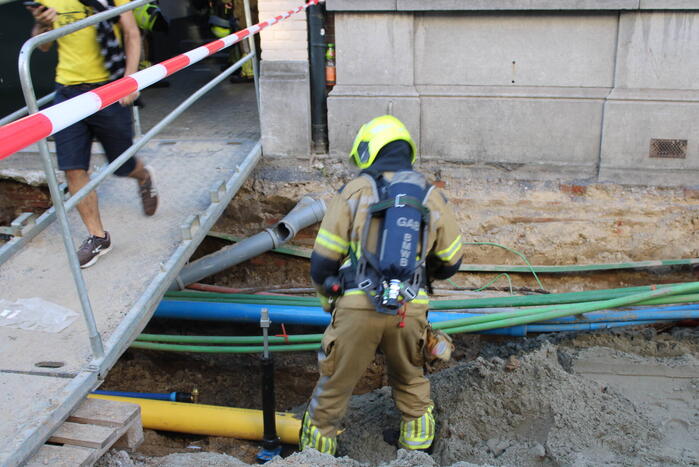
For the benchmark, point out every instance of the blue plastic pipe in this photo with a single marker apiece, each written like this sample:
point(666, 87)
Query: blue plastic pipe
point(315, 316)
point(241, 312)
point(141, 395)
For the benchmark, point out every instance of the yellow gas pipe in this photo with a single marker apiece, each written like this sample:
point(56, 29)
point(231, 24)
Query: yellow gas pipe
point(210, 419)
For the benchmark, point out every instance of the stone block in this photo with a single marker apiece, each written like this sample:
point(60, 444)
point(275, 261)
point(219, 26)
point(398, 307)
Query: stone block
point(437, 5)
point(285, 121)
point(658, 50)
point(360, 5)
point(513, 132)
point(374, 48)
point(515, 49)
point(669, 4)
point(629, 126)
point(349, 109)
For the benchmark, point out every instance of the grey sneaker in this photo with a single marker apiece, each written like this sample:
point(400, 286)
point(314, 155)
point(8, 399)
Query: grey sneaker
point(92, 248)
point(149, 195)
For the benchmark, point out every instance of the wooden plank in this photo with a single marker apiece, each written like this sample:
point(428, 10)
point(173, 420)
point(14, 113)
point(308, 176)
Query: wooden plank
point(103, 424)
point(63, 455)
point(90, 436)
point(132, 437)
point(105, 412)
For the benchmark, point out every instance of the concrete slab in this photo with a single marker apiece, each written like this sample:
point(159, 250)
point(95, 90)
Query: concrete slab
point(30, 404)
point(629, 127)
point(555, 132)
point(445, 5)
point(514, 49)
point(358, 62)
point(663, 389)
point(285, 102)
point(185, 171)
point(658, 49)
point(490, 5)
point(345, 117)
point(361, 5)
point(216, 142)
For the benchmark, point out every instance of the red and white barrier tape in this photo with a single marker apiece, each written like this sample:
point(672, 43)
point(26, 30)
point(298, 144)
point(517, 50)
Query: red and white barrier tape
point(28, 130)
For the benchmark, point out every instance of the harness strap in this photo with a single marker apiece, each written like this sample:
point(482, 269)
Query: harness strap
point(399, 201)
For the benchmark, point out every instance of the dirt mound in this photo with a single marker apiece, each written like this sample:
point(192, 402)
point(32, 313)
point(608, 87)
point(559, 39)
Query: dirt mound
point(616, 397)
point(307, 458)
point(536, 414)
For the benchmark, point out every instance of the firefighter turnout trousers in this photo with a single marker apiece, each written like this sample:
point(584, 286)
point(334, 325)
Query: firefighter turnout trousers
point(348, 347)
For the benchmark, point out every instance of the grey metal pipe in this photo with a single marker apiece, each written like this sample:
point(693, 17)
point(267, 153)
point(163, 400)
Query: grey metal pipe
point(307, 212)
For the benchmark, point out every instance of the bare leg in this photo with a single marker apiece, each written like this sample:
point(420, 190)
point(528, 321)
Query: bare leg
point(140, 173)
point(88, 207)
point(148, 193)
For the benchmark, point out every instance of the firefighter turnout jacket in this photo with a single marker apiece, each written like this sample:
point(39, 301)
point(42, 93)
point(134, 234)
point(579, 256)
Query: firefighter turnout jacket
point(357, 330)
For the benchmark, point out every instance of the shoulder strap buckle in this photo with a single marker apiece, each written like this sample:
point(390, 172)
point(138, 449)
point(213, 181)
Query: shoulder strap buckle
point(397, 203)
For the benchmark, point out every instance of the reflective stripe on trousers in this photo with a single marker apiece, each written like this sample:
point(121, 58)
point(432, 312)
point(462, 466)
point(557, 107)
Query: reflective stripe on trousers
point(418, 433)
point(310, 437)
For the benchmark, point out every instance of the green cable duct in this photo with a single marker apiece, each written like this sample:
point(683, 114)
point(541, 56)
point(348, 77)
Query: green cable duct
point(306, 253)
point(511, 250)
point(222, 348)
point(471, 324)
point(514, 318)
point(578, 267)
point(491, 302)
point(237, 340)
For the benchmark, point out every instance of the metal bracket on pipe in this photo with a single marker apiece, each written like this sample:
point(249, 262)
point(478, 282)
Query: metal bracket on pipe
point(217, 191)
point(25, 219)
point(264, 318)
point(63, 188)
point(190, 226)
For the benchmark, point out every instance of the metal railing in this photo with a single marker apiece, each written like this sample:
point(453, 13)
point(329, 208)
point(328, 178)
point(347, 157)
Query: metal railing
point(25, 110)
point(24, 233)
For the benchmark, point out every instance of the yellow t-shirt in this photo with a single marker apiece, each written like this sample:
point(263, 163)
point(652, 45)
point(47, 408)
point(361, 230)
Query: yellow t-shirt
point(79, 57)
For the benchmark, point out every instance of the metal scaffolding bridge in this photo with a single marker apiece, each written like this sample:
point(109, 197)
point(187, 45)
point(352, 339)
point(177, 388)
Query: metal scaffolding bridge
point(200, 161)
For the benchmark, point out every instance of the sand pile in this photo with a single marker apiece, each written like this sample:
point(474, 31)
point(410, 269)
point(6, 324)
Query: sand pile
point(622, 398)
point(519, 412)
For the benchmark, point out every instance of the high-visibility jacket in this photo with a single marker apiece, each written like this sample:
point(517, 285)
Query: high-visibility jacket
point(340, 236)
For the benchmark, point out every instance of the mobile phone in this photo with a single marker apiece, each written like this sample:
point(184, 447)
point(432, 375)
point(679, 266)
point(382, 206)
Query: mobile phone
point(33, 4)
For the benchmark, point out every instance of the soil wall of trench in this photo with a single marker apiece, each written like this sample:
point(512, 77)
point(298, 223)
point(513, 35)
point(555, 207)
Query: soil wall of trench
point(626, 397)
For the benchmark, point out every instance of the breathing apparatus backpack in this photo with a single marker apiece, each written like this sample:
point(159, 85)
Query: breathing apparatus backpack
point(393, 275)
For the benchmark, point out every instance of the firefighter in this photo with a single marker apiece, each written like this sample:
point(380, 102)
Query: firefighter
point(379, 283)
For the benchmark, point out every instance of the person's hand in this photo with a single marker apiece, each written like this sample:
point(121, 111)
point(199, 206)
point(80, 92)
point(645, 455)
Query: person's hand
point(128, 100)
point(43, 16)
point(327, 303)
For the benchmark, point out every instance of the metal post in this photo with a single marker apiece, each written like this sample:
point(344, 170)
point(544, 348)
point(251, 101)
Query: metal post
point(251, 43)
point(271, 445)
point(316, 58)
point(57, 198)
point(137, 130)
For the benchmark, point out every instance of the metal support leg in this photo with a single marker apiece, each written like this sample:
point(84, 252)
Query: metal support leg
point(57, 198)
point(253, 49)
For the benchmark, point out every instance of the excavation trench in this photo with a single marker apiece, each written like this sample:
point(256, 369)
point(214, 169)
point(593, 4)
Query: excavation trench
point(620, 396)
point(541, 400)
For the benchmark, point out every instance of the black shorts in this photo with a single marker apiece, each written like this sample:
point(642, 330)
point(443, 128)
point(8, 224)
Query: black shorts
point(111, 126)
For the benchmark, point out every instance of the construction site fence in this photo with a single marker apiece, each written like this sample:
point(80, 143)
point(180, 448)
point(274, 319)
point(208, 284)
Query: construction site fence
point(38, 125)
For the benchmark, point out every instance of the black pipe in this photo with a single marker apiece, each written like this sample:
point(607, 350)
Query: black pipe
point(316, 54)
point(271, 445)
point(271, 440)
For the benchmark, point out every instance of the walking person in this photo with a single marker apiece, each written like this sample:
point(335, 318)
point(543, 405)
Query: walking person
point(87, 59)
point(384, 236)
